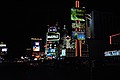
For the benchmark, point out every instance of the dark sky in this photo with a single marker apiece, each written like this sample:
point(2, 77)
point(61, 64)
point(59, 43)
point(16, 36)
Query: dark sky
point(24, 19)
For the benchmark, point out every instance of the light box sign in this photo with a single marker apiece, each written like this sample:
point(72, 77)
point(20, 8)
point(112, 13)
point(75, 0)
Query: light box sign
point(74, 34)
point(2, 45)
point(36, 46)
point(81, 36)
point(75, 25)
point(53, 36)
point(53, 29)
point(112, 53)
point(77, 14)
point(4, 49)
point(51, 50)
point(78, 35)
point(63, 52)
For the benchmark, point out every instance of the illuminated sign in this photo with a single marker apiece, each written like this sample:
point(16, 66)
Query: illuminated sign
point(51, 50)
point(78, 25)
point(78, 35)
point(68, 39)
point(77, 14)
point(2, 45)
point(63, 52)
point(36, 46)
point(4, 49)
point(37, 43)
point(53, 36)
point(36, 39)
point(112, 53)
point(81, 36)
point(74, 34)
point(75, 25)
point(53, 29)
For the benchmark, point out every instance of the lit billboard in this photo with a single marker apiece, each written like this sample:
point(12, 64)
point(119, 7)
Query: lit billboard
point(81, 36)
point(36, 46)
point(51, 53)
point(77, 14)
point(74, 34)
point(112, 53)
point(52, 36)
point(63, 52)
point(78, 25)
point(78, 35)
point(4, 49)
point(75, 25)
point(2, 45)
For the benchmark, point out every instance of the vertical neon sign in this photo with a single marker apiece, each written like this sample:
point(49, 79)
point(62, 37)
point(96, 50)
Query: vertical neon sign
point(77, 4)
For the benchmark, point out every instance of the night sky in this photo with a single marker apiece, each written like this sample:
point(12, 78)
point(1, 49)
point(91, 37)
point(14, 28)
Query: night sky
point(22, 20)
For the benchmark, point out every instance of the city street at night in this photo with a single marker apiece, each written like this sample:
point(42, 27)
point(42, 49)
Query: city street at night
point(57, 70)
point(60, 40)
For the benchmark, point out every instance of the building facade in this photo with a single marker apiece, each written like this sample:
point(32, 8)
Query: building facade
point(80, 29)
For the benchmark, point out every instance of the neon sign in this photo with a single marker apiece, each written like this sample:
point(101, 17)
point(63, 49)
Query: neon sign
point(53, 36)
point(112, 53)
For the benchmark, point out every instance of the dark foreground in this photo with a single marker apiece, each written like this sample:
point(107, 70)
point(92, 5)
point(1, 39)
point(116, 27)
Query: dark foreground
point(57, 71)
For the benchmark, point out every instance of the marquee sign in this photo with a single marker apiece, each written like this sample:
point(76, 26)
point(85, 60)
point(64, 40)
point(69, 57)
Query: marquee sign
point(53, 36)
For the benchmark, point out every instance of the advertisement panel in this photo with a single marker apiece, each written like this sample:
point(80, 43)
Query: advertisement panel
point(4, 49)
point(63, 52)
point(36, 46)
point(112, 53)
point(77, 14)
point(81, 36)
point(78, 35)
point(76, 25)
point(53, 36)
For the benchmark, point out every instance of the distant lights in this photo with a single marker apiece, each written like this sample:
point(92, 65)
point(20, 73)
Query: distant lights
point(2, 45)
point(36, 39)
point(28, 48)
point(77, 4)
point(83, 7)
point(113, 36)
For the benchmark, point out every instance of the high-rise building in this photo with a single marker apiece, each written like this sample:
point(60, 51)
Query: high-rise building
point(80, 29)
point(103, 24)
point(52, 42)
point(36, 48)
point(103, 27)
